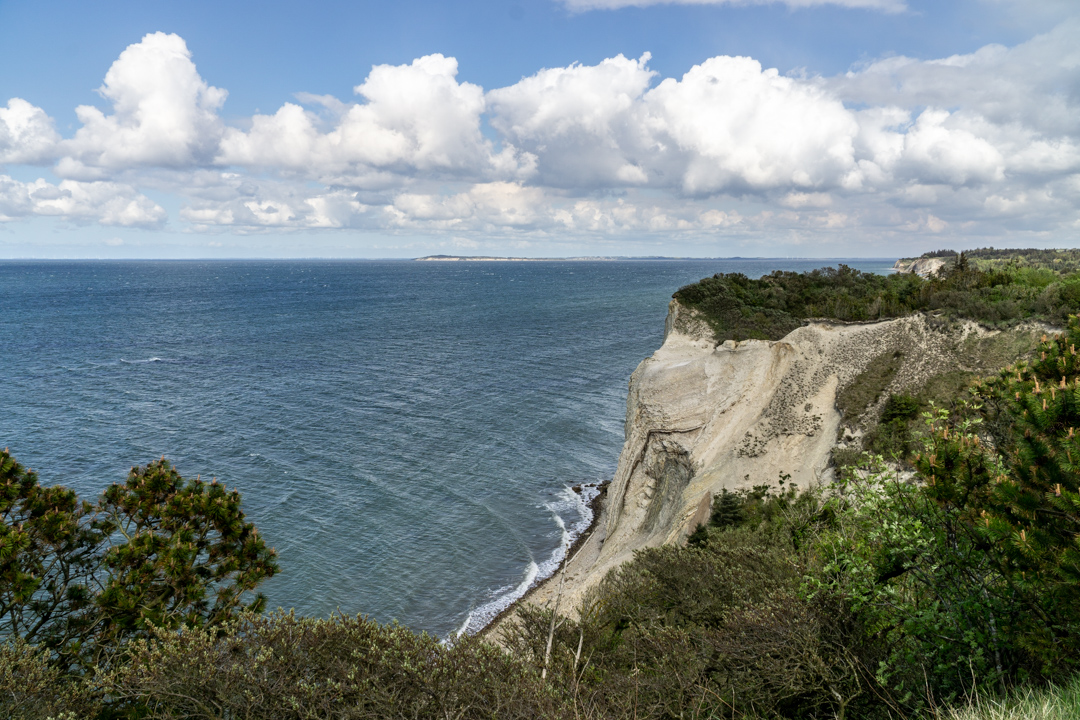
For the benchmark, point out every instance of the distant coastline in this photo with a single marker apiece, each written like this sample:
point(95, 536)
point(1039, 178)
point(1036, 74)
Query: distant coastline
point(491, 258)
point(602, 258)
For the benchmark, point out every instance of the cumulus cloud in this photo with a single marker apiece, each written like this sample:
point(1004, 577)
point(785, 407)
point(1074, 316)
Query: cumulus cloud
point(889, 6)
point(497, 204)
point(726, 125)
point(163, 114)
point(741, 126)
point(579, 121)
point(1034, 84)
point(231, 200)
point(416, 118)
point(27, 135)
point(106, 203)
point(983, 142)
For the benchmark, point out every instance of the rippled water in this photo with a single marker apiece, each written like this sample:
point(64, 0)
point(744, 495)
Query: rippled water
point(404, 433)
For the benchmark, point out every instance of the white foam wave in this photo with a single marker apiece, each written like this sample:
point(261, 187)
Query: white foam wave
point(141, 362)
point(567, 503)
point(481, 616)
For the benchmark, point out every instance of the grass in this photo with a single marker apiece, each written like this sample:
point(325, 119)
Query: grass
point(866, 390)
point(1051, 703)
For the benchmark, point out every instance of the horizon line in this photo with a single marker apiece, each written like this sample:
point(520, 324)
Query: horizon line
point(450, 258)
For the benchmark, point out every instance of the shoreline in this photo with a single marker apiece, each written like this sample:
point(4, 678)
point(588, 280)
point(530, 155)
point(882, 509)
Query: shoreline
point(596, 505)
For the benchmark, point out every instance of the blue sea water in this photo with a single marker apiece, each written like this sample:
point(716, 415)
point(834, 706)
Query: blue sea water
point(404, 433)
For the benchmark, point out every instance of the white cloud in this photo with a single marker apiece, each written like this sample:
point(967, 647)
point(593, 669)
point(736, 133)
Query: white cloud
point(986, 142)
point(806, 200)
point(741, 127)
point(726, 125)
point(1033, 84)
point(890, 6)
point(579, 121)
point(164, 114)
point(27, 135)
point(416, 119)
point(236, 202)
point(937, 151)
point(497, 204)
point(106, 203)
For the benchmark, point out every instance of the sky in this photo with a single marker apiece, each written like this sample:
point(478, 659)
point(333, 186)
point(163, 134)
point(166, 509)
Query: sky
point(537, 128)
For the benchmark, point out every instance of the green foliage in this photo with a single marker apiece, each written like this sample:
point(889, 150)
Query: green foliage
point(33, 688)
point(972, 576)
point(921, 585)
point(80, 580)
point(1020, 494)
point(1059, 261)
point(723, 629)
point(177, 552)
point(1060, 702)
point(288, 668)
point(48, 554)
point(899, 408)
point(727, 509)
point(770, 307)
point(893, 435)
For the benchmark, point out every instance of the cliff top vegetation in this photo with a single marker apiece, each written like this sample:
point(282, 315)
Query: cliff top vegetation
point(1058, 260)
point(995, 288)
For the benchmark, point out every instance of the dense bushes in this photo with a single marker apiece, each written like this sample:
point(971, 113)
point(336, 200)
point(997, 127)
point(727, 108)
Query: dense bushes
point(33, 687)
point(1016, 488)
point(770, 307)
point(874, 598)
point(721, 628)
point(282, 667)
point(290, 668)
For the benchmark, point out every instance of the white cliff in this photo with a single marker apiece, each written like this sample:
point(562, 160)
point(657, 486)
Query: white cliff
point(703, 416)
point(923, 267)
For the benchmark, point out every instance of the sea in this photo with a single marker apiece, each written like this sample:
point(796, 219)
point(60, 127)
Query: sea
point(405, 434)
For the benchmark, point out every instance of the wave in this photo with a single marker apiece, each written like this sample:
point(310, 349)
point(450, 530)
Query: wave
point(142, 362)
point(568, 501)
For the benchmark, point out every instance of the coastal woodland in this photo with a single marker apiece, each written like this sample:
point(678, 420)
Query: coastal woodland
point(936, 576)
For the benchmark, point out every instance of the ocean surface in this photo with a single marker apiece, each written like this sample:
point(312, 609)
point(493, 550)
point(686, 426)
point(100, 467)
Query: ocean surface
point(404, 433)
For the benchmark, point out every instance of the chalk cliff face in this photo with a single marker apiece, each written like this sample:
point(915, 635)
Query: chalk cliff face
point(703, 416)
point(924, 267)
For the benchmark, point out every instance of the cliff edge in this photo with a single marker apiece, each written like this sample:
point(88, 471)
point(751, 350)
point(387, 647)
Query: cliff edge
point(703, 416)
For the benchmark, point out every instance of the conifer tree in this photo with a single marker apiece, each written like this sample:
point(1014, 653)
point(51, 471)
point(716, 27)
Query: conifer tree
point(82, 579)
point(1018, 488)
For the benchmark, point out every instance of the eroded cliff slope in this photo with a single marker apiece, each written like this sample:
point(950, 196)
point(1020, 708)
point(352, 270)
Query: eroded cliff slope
point(703, 416)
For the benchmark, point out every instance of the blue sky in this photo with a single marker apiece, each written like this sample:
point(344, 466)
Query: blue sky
point(538, 128)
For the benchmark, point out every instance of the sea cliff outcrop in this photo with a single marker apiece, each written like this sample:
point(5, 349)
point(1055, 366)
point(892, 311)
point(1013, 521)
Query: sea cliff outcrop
point(704, 415)
point(923, 266)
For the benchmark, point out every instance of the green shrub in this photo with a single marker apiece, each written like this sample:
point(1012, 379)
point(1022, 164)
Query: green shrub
point(921, 585)
point(33, 688)
point(770, 307)
point(1020, 494)
point(289, 668)
point(723, 629)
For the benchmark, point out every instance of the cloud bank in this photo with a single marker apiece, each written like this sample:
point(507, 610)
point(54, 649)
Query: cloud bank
point(968, 147)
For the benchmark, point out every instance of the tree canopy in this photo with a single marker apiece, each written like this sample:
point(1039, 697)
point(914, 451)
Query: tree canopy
point(81, 579)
